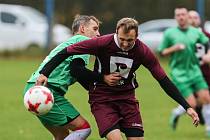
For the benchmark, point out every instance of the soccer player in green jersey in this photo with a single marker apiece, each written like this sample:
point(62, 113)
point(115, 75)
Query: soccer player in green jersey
point(202, 54)
point(63, 117)
point(180, 43)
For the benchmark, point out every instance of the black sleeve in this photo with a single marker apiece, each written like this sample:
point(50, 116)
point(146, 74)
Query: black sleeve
point(173, 92)
point(83, 75)
point(54, 62)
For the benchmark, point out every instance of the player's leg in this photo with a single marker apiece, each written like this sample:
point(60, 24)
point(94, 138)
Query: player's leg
point(114, 135)
point(107, 119)
point(206, 74)
point(204, 98)
point(133, 133)
point(175, 114)
point(187, 92)
point(58, 132)
point(131, 124)
point(80, 129)
point(64, 117)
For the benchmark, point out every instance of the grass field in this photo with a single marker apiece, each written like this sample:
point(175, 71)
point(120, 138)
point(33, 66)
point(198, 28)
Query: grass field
point(18, 124)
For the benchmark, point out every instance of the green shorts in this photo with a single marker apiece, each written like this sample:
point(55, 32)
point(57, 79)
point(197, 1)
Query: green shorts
point(191, 87)
point(62, 111)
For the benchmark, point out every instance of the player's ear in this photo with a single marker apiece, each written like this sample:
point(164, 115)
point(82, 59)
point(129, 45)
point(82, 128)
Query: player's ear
point(82, 28)
point(137, 34)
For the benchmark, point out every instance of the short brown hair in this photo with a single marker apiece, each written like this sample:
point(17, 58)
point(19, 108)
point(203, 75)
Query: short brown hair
point(127, 24)
point(82, 20)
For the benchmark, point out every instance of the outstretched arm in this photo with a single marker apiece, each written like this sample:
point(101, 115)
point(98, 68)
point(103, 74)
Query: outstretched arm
point(174, 93)
point(50, 66)
point(172, 49)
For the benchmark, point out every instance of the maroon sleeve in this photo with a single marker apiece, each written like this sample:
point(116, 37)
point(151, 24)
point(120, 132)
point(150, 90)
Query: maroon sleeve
point(152, 63)
point(90, 46)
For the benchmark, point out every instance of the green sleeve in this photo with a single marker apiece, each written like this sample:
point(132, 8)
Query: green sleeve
point(165, 42)
point(203, 38)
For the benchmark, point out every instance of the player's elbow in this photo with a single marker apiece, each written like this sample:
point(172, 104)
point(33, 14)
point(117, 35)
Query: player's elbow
point(76, 67)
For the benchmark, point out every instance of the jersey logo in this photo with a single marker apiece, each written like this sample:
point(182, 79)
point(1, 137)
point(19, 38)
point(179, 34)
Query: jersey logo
point(121, 65)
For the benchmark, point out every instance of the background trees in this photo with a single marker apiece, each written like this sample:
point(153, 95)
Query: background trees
point(109, 11)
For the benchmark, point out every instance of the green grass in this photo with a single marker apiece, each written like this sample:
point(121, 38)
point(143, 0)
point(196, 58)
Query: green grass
point(18, 124)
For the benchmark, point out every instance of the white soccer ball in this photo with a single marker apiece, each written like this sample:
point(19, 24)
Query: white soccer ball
point(38, 100)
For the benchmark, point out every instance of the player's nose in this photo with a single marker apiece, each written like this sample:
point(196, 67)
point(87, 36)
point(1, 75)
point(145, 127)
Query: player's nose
point(97, 34)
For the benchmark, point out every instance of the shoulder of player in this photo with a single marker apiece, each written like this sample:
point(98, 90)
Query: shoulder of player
point(72, 40)
point(193, 29)
point(170, 30)
point(105, 39)
point(141, 45)
point(78, 38)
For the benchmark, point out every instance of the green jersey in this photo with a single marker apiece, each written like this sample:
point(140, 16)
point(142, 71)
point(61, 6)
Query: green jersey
point(184, 63)
point(60, 76)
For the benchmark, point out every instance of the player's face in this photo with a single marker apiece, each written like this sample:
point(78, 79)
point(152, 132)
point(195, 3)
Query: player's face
point(91, 30)
point(181, 16)
point(194, 19)
point(126, 40)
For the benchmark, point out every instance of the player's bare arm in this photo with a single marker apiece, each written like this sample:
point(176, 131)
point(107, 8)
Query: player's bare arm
point(172, 49)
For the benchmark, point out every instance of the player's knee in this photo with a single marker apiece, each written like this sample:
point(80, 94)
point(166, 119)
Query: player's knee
point(205, 100)
point(60, 134)
point(133, 132)
point(80, 133)
point(84, 130)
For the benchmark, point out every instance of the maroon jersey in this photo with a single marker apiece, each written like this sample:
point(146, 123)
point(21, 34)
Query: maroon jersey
point(110, 58)
point(206, 73)
point(206, 33)
point(206, 68)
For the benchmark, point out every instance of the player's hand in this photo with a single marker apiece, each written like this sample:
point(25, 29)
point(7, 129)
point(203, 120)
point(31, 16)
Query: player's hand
point(191, 112)
point(112, 79)
point(41, 80)
point(179, 47)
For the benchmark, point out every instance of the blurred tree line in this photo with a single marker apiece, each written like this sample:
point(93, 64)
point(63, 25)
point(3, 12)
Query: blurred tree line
point(109, 11)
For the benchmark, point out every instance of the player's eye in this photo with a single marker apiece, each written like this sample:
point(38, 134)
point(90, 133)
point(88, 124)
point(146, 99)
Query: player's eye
point(122, 39)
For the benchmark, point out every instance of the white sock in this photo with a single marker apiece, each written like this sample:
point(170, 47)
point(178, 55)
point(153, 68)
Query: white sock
point(178, 111)
point(81, 134)
point(206, 115)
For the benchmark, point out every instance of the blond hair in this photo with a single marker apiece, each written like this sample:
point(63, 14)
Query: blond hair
point(127, 24)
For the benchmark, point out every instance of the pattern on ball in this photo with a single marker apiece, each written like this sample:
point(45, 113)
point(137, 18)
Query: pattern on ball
point(38, 100)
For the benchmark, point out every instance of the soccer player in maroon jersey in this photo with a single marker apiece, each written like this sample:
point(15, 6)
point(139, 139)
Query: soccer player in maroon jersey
point(113, 82)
